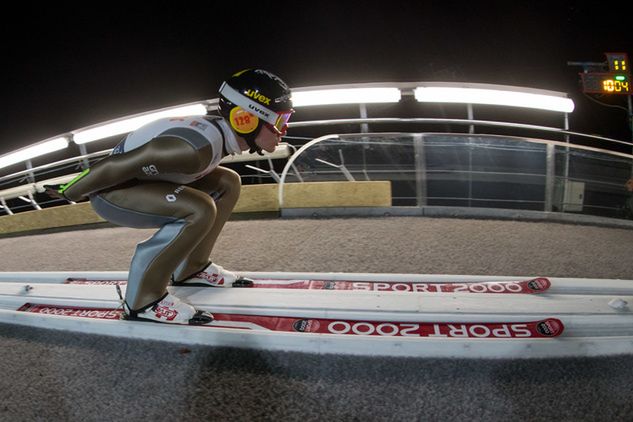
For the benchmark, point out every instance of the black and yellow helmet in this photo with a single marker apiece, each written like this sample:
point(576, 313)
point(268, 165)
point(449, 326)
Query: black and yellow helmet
point(253, 98)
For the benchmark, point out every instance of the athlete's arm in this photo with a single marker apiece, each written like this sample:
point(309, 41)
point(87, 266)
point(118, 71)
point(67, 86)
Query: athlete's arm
point(167, 155)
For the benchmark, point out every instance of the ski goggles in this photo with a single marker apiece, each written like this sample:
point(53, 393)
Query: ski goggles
point(281, 123)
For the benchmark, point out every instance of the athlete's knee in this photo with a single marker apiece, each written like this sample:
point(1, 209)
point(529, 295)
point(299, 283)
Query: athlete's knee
point(230, 182)
point(203, 213)
point(230, 178)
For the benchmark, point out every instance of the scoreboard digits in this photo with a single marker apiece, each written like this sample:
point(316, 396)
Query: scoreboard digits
point(616, 81)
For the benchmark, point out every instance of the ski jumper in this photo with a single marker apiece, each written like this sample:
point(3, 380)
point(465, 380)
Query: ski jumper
point(166, 175)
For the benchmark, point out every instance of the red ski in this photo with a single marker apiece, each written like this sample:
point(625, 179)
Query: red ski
point(535, 285)
point(547, 328)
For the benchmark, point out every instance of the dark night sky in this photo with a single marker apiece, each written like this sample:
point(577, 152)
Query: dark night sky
point(64, 69)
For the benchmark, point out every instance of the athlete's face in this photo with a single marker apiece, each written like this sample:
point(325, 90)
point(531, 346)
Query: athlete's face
point(267, 139)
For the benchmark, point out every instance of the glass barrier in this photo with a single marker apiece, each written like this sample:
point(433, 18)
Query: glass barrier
point(463, 170)
point(591, 182)
point(485, 171)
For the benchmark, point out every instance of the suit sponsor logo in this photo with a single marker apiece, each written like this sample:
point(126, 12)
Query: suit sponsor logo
point(119, 149)
point(199, 125)
point(172, 196)
point(151, 170)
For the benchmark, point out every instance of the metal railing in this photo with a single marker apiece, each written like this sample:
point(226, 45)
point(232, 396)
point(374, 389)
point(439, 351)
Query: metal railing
point(461, 122)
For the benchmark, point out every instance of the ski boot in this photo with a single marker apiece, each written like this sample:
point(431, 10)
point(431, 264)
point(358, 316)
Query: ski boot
point(215, 276)
point(168, 309)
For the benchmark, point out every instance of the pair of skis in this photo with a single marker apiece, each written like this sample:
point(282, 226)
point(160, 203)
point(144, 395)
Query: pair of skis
point(546, 328)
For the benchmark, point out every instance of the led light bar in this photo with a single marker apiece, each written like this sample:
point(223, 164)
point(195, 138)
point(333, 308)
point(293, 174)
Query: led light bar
point(467, 95)
point(128, 125)
point(345, 96)
point(33, 151)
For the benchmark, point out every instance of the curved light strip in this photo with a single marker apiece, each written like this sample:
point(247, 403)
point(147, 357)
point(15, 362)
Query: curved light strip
point(425, 92)
point(345, 96)
point(436, 94)
point(33, 151)
point(128, 125)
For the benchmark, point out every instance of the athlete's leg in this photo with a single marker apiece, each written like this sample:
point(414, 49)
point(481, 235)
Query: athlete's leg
point(184, 215)
point(224, 186)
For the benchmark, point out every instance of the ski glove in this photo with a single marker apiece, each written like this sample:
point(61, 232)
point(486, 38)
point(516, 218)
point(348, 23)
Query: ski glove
point(54, 191)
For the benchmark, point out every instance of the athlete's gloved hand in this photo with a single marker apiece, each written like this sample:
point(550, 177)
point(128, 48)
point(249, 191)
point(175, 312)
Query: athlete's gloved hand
point(53, 191)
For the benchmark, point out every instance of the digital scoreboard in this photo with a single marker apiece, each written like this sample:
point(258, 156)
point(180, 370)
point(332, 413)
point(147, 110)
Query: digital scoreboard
point(616, 81)
point(606, 83)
